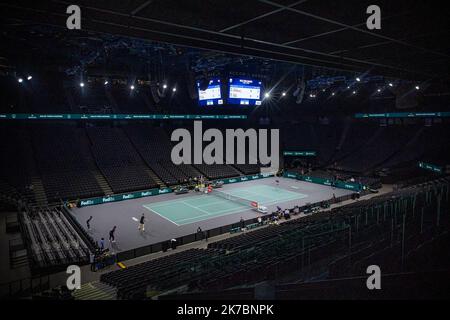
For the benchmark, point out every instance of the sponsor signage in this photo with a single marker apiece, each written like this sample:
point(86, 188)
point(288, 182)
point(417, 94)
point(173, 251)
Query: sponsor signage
point(300, 153)
point(35, 116)
point(430, 167)
point(338, 184)
point(154, 192)
point(403, 115)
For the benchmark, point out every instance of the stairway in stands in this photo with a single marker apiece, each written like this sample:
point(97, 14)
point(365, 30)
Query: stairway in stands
point(411, 142)
point(146, 168)
point(112, 101)
point(344, 134)
point(87, 154)
point(39, 191)
point(155, 178)
point(102, 182)
point(148, 103)
point(367, 143)
point(70, 100)
point(342, 140)
point(18, 256)
point(95, 291)
point(241, 173)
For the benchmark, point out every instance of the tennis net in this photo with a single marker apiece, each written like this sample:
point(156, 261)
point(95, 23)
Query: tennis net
point(227, 196)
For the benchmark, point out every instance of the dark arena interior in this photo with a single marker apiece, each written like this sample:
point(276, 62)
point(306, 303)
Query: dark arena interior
point(224, 150)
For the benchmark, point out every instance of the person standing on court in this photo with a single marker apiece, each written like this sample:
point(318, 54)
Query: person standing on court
point(102, 244)
point(200, 234)
point(88, 223)
point(111, 235)
point(242, 223)
point(92, 261)
point(142, 223)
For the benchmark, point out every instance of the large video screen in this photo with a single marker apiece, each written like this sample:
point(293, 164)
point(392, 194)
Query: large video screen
point(212, 95)
point(244, 92)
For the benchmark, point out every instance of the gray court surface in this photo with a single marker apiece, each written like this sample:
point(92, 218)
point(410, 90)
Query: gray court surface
point(171, 216)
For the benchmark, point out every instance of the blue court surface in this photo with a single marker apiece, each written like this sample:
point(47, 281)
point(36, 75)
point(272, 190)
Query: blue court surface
point(206, 206)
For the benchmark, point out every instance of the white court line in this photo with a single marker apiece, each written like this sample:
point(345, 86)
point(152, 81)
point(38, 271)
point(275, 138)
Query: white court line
point(287, 192)
point(302, 196)
point(294, 196)
point(289, 196)
point(208, 204)
point(164, 203)
point(162, 216)
point(213, 214)
point(218, 213)
point(194, 207)
point(197, 216)
point(168, 202)
point(283, 200)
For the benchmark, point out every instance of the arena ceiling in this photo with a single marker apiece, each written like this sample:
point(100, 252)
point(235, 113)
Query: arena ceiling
point(412, 42)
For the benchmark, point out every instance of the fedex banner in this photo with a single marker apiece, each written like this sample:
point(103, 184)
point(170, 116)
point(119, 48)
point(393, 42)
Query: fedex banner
point(125, 196)
point(154, 192)
point(245, 178)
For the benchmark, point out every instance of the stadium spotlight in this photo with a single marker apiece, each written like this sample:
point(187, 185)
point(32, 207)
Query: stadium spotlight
point(354, 92)
point(20, 80)
point(358, 79)
point(29, 78)
point(81, 84)
point(378, 90)
point(348, 87)
point(283, 94)
point(164, 86)
point(417, 88)
point(174, 89)
point(132, 87)
point(390, 84)
point(267, 95)
point(106, 82)
point(333, 94)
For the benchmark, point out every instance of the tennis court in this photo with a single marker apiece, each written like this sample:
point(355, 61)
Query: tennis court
point(203, 207)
